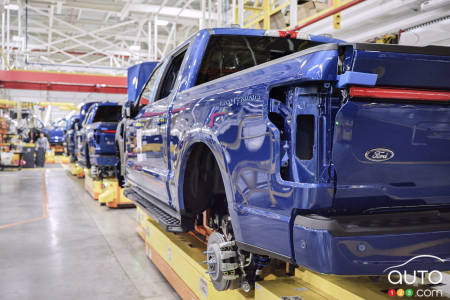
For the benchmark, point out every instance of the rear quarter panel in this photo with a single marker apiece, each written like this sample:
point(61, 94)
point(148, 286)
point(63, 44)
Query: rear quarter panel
point(230, 116)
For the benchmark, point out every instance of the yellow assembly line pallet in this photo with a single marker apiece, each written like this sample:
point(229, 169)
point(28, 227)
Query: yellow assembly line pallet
point(76, 170)
point(113, 196)
point(93, 187)
point(179, 258)
point(50, 157)
point(63, 159)
point(107, 191)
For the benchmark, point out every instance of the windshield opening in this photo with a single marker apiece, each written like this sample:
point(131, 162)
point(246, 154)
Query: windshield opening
point(108, 113)
point(228, 54)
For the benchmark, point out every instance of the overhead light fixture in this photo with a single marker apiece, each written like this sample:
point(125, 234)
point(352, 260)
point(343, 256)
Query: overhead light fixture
point(12, 6)
point(17, 38)
point(432, 4)
point(162, 22)
point(135, 48)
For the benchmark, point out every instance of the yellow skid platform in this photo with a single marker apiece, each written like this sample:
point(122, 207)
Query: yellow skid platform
point(141, 219)
point(50, 157)
point(113, 196)
point(63, 159)
point(179, 258)
point(75, 169)
point(93, 187)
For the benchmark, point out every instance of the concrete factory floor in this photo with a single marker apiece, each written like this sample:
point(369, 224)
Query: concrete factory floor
point(56, 242)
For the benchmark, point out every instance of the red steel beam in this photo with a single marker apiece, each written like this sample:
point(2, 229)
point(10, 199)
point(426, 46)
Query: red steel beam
point(34, 80)
point(63, 87)
point(327, 14)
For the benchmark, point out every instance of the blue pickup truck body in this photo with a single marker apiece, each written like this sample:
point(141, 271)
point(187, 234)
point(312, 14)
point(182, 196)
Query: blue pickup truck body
point(55, 135)
point(313, 172)
point(96, 138)
point(137, 77)
point(69, 136)
point(84, 108)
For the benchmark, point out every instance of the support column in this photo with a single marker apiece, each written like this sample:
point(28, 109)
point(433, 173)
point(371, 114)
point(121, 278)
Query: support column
point(266, 8)
point(241, 13)
point(19, 111)
point(3, 41)
point(209, 13)
point(8, 41)
point(293, 18)
point(219, 13)
point(19, 27)
point(202, 20)
point(337, 17)
point(149, 42)
point(155, 51)
point(174, 35)
point(235, 13)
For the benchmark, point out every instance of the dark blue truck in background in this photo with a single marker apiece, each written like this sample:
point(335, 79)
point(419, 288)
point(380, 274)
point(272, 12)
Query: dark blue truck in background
point(84, 107)
point(69, 136)
point(55, 135)
point(95, 139)
point(326, 155)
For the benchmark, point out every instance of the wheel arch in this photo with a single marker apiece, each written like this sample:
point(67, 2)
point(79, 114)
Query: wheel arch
point(219, 156)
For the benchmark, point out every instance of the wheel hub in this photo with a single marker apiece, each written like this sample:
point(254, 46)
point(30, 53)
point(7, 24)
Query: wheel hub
point(221, 261)
point(214, 261)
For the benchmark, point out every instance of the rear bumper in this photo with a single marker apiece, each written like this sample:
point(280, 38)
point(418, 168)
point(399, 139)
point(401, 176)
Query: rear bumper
point(104, 160)
point(367, 245)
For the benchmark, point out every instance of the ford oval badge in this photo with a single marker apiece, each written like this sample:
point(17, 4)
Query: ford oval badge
point(379, 154)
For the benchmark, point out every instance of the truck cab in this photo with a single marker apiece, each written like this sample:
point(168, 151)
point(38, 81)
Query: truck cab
point(69, 136)
point(96, 139)
point(84, 108)
point(298, 148)
point(137, 78)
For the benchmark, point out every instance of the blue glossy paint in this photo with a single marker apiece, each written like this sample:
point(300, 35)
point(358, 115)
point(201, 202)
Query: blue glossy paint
point(69, 136)
point(248, 147)
point(55, 132)
point(419, 172)
point(55, 135)
point(356, 78)
point(403, 70)
point(369, 254)
point(137, 77)
point(84, 109)
point(230, 116)
point(79, 137)
point(94, 144)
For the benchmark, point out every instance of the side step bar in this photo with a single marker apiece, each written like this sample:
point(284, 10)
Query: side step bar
point(164, 219)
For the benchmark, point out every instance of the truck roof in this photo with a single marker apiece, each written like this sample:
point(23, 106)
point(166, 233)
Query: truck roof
point(261, 32)
point(108, 103)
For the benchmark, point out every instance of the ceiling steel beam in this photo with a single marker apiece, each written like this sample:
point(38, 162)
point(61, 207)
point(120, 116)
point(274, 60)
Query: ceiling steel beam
point(62, 87)
point(63, 82)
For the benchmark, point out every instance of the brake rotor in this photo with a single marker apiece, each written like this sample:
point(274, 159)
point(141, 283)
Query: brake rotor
point(214, 260)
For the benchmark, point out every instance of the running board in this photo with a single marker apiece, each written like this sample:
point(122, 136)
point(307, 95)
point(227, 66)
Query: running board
point(168, 222)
